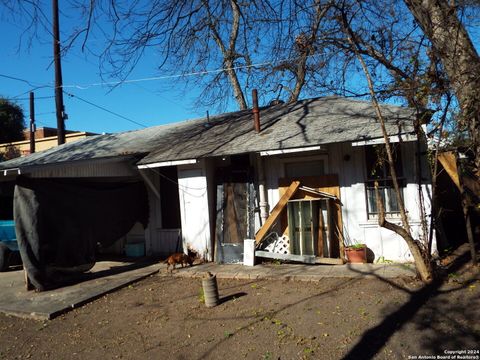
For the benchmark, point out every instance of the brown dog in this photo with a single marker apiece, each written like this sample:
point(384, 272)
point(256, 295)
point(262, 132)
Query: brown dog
point(178, 258)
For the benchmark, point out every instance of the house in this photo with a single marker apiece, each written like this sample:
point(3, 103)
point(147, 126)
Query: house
point(45, 138)
point(215, 180)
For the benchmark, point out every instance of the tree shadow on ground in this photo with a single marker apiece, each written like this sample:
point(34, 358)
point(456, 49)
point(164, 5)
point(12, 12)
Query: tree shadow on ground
point(425, 309)
point(270, 314)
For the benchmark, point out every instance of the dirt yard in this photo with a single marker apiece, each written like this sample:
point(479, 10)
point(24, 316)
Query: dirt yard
point(163, 317)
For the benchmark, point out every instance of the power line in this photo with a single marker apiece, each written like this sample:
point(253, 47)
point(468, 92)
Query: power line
point(154, 78)
point(106, 110)
point(79, 98)
point(36, 97)
point(46, 113)
point(35, 86)
point(85, 87)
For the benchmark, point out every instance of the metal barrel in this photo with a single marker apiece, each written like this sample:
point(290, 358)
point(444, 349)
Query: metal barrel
point(210, 291)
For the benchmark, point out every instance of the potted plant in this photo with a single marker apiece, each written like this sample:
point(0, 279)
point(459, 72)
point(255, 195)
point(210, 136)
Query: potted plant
point(356, 253)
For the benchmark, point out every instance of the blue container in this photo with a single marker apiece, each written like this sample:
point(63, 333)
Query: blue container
point(7, 234)
point(135, 249)
point(7, 230)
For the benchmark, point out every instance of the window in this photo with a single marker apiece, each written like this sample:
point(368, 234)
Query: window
point(379, 170)
point(304, 168)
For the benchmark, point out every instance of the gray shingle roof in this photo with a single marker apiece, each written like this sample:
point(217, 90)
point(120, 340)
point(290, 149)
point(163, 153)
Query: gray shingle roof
point(305, 123)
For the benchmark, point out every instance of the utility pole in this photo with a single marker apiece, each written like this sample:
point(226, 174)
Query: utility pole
point(59, 107)
point(32, 123)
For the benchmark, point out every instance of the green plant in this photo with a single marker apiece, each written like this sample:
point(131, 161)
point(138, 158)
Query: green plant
point(362, 311)
point(267, 356)
point(308, 351)
point(276, 322)
point(382, 260)
point(357, 246)
point(353, 243)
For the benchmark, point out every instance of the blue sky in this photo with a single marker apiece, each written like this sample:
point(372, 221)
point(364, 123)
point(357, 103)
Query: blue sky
point(141, 102)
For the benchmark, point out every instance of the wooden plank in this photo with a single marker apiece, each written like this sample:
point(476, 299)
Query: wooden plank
point(320, 194)
point(341, 243)
point(235, 213)
point(309, 259)
point(291, 229)
point(332, 240)
point(449, 163)
point(277, 210)
point(321, 229)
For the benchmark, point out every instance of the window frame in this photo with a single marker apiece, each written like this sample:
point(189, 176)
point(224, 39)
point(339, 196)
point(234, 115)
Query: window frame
point(383, 189)
point(304, 159)
point(385, 185)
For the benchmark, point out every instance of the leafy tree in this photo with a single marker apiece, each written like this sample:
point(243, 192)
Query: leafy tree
point(12, 122)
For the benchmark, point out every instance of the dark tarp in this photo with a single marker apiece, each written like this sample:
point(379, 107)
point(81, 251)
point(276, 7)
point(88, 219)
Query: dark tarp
point(60, 221)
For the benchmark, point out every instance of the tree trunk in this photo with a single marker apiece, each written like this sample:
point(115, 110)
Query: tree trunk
point(237, 89)
point(453, 46)
point(301, 71)
point(232, 74)
point(229, 54)
point(422, 264)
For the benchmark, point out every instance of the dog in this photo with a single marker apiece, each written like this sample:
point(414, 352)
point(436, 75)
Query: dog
point(179, 258)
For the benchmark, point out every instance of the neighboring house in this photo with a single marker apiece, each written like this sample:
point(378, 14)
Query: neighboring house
point(215, 179)
point(45, 138)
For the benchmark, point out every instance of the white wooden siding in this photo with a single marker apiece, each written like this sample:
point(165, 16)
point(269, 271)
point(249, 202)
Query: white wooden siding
point(194, 209)
point(159, 241)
